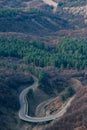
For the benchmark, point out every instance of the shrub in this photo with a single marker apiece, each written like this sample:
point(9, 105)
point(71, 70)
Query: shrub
point(69, 92)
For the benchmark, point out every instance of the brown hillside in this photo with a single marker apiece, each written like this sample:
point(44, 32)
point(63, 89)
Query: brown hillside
point(76, 116)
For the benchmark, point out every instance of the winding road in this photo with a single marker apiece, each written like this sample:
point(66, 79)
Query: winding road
point(48, 2)
point(51, 3)
point(23, 112)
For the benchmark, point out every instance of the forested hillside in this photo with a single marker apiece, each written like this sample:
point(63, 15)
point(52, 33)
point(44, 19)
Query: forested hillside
point(36, 40)
point(70, 53)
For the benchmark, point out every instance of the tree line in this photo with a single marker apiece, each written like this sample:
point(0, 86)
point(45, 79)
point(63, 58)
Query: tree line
point(70, 53)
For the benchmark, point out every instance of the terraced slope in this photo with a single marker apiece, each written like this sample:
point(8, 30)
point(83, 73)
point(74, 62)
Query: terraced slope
point(34, 22)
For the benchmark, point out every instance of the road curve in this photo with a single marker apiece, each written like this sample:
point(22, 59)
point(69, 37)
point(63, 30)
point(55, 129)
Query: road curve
point(23, 112)
point(51, 3)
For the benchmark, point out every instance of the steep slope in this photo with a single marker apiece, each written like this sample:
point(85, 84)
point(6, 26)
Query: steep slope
point(76, 116)
point(35, 19)
point(10, 82)
point(32, 22)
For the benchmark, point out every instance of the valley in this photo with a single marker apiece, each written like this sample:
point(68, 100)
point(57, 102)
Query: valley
point(43, 65)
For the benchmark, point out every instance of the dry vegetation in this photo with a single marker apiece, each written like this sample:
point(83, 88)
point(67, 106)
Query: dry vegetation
point(76, 115)
point(10, 86)
point(30, 20)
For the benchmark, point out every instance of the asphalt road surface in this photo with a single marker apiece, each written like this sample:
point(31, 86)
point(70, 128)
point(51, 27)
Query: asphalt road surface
point(23, 112)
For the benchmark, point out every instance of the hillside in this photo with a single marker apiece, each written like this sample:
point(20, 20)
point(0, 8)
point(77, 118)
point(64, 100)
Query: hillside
point(33, 22)
point(41, 21)
point(10, 86)
point(48, 40)
point(75, 117)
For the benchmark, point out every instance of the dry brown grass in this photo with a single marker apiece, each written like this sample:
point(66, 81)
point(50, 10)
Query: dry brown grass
point(76, 116)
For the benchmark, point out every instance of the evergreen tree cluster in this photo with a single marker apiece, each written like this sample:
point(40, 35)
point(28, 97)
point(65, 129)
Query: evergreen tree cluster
point(70, 53)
